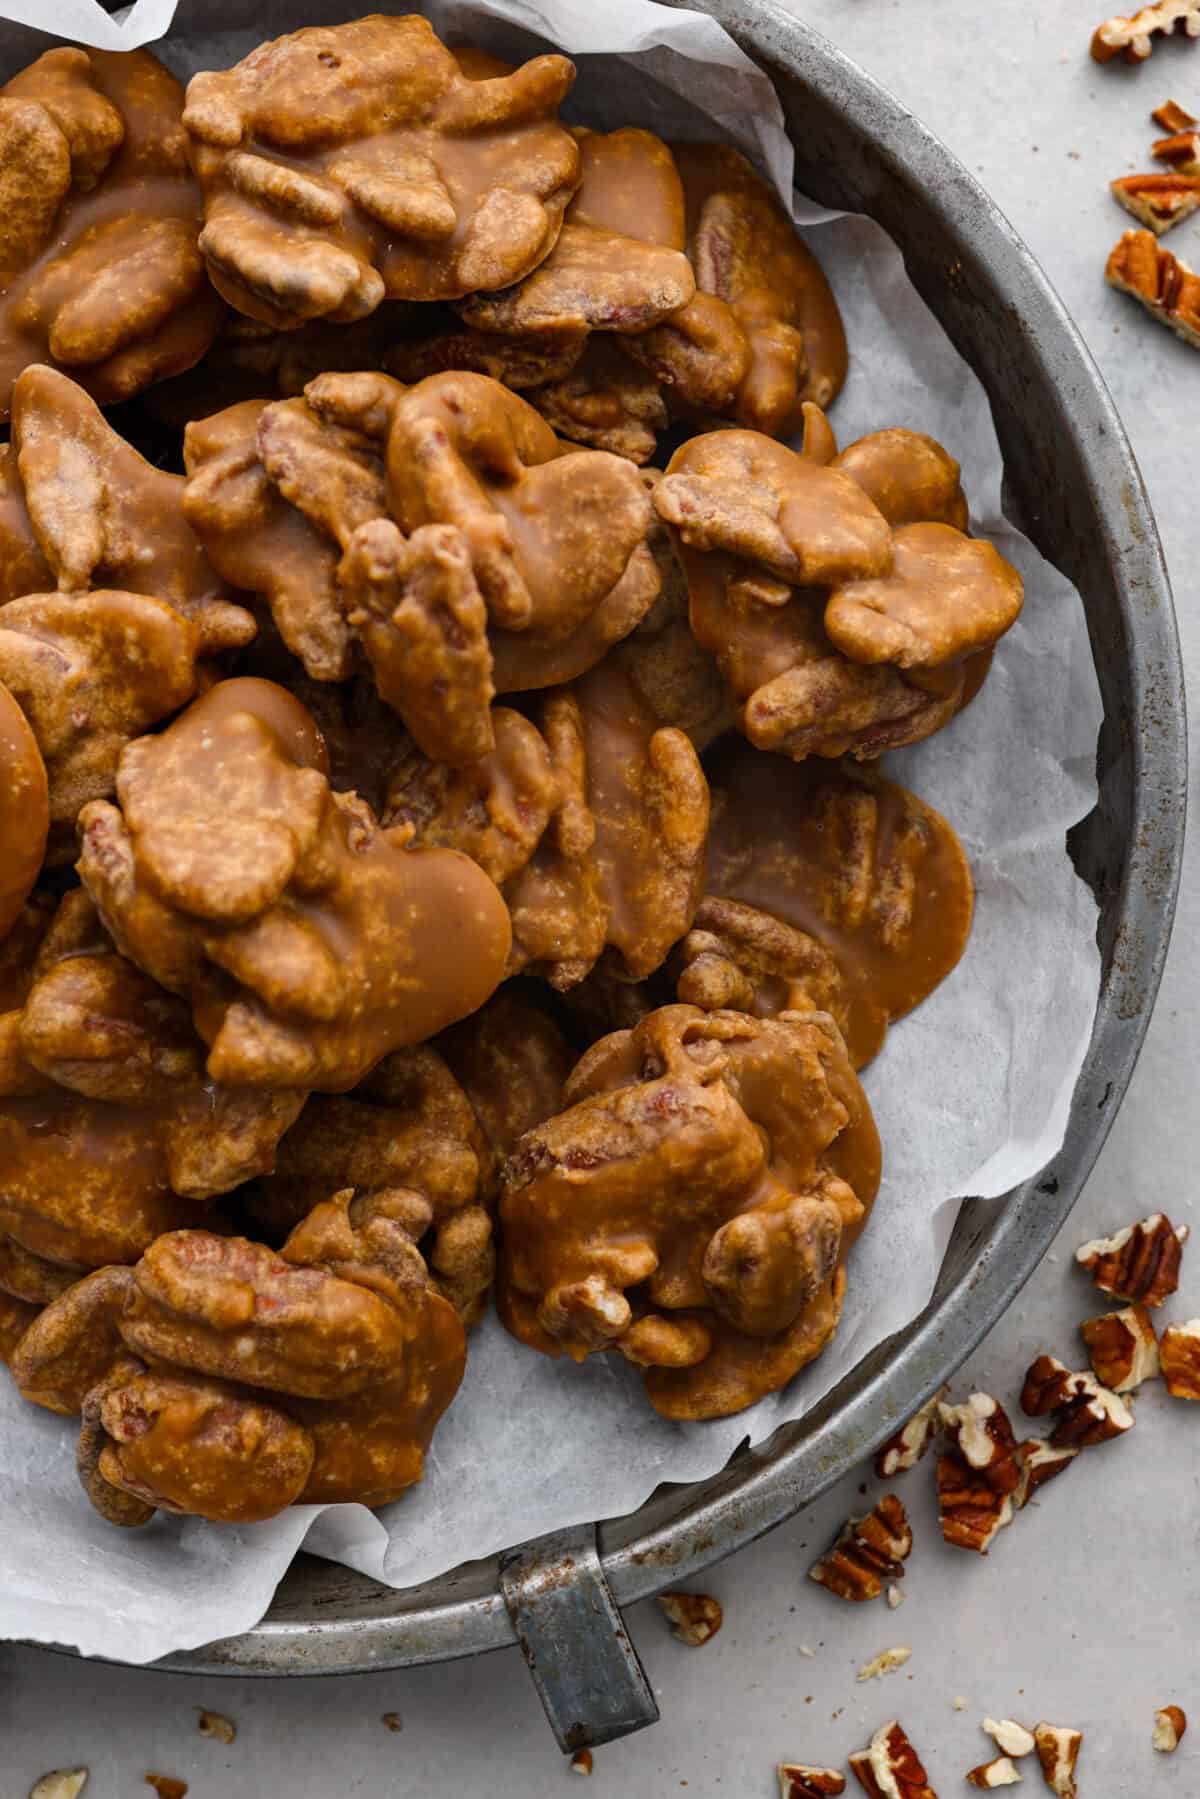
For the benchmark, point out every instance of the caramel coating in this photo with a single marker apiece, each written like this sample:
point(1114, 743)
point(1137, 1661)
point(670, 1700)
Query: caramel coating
point(908, 476)
point(694, 1200)
point(81, 510)
point(179, 1444)
point(946, 597)
point(259, 541)
point(594, 824)
point(408, 1131)
point(618, 264)
point(348, 163)
point(512, 1061)
point(222, 1379)
point(309, 942)
point(91, 672)
point(827, 886)
point(108, 1123)
point(604, 400)
point(763, 334)
point(835, 632)
point(99, 268)
point(24, 808)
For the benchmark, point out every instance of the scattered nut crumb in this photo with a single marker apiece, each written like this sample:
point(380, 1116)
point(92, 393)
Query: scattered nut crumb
point(581, 1761)
point(60, 1783)
point(1009, 1737)
point(1139, 1262)
point(798, 1781)
point(215, 1725)
point(166, 1786)
point(895, 1596)
point(998, 1773)
point(1180, 1353)
point(805, 1650)
point(694, 1617)
point(1169, 1726)
point(1058, 1751)
point(958, 1703)
point(886, 1662)
point(392, 1720)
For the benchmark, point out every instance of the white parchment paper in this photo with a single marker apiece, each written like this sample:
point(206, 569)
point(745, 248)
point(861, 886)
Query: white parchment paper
point(971, 1092)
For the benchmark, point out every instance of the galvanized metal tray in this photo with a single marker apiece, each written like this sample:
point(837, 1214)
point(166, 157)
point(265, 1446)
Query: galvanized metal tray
point(1073, 486)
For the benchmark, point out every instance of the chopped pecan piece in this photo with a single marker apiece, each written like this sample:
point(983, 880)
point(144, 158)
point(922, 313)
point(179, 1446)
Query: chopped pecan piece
point(61, 1783)
point(1139, 1263)
point(890, 1767)
point(1165, 286)
point(982, 1435)
point(868, 1552)
point(1012, 1739)
point(215, 1725)
point(1134, 38)
point(997, 1773)
point(1039, 1462)
point(694, 1617)
point(1169, 1725)
point(1173, 117)
point(342, 164)
point(797, 1780)
point(582, 1762)
point(1122, 1347)
point(972, 1513)
point(1179, 1352)
point(1058, 1751)
point(905, 1449)
point(1088, 1412)
point(1158, 201)
point(1181, 150)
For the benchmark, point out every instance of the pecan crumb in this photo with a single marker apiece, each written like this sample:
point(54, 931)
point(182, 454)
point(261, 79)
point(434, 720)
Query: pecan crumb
point(886, 1662)
point(694, 1617)
point(215, 1725)
point(582, 1761)
point(166, 1786)
point(1169, 1726)
point(60, 1783)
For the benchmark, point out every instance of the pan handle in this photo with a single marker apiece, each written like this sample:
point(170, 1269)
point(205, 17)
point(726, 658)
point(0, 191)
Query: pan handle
point(573, 1638)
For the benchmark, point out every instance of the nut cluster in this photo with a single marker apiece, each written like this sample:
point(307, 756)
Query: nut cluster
point(426, 858)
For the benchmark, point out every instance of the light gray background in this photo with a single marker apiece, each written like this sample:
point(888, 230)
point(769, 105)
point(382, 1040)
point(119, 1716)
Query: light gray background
point(1084, 1612)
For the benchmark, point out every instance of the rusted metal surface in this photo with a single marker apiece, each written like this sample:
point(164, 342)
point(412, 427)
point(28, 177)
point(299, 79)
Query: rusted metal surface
point(1073, 486)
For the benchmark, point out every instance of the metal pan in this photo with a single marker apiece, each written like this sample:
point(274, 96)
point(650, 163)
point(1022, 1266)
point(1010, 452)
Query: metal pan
point(1074, 487)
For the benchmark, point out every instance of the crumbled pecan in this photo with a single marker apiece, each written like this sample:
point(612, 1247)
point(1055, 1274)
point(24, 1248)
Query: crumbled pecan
point(1179, 1352)
point(1088, 1412)
point(799, 1781)
point(1139, 1263)
point(1040, 1462)
point(905, 1449)
point(997, 1773)
point(1158, 201)
point(582, 1762)
point(1169, 1725)
point(1181, 151)
point(972, 1512)
point(61, 1783)
point(1173, 117)
point(1133, 38)
point(1058, 1751)
point(1012, 1739)
point(215, 1725)
point(694, 1617)
point(1165, 286)
point(888, 1661)
point(890, 1767)
point(1122, 1347)
point(868, 1552)
point(982, 1435)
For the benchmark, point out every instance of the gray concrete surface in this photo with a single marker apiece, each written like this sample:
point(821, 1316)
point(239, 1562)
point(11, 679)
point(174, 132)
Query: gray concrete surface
point(1083, 1613)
